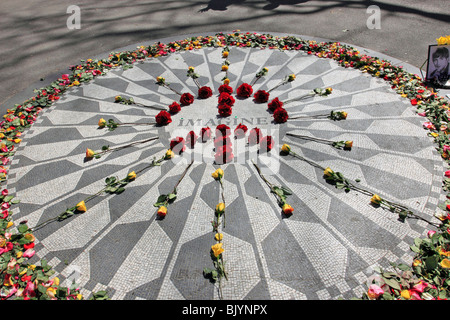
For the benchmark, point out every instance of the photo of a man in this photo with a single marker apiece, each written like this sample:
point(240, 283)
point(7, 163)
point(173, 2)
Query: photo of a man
point(439, 64)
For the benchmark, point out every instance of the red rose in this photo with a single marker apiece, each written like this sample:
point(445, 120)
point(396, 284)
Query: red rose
point(163, 118)
point(224, 155)
point(275, 104)
point(204, 92)
point(225, 98)
point(225, 88)
point(177, 145)
point(414, 102)
point(280, 115)
point(205, 134)
point(221, 141)
point(244, 91)
point(28, 246)
point(254, 136)
point(240, 131)
point(191, 139)
point(261, 96)
point(225, 110)
point(174, 108)
point(186, 99)
point(223, 130)
point(266, 144)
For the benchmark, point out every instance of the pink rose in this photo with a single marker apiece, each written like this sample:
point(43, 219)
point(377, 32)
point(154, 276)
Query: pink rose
point(374, 291)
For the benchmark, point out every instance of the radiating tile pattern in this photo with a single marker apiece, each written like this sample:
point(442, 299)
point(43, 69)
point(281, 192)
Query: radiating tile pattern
point(325, 250)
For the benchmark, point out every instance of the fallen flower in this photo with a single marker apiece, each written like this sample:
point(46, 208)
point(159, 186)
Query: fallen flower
point(81, 206)
point(287, 209)
point(217, 249)
point(162, 211)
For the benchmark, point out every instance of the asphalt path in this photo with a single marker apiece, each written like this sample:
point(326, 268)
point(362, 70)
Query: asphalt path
point(36, 43)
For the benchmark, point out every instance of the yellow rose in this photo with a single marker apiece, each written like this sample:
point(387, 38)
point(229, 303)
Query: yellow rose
point(191, 69)
point(169, 154)
point(285, 148)
point(287, 209)
point(225, 54)
point(226, 81)
point(328, 90)
point(224, 67)
point(102, 123)
point(406, 294)
point(81, 206)
point(348, 144)
point(9, 225)
point(162, 211)
point(131, 175)
point(220, 208)
point(445, 263)
point(328, 172)
point(89, 153)
point(29, 237)
point(442, 41)
point(217, 249)
point(19, 254)
point(376, 199)
point(344, 114)
point(79, 296)
point(416, 263)
point(218, 174)
point(291, 77)
point(118, 98)
point(51, 292)
point(56, 281)
point(218, 236)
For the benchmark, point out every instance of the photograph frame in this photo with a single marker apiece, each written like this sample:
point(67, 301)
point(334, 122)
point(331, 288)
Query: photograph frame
point(438, 56)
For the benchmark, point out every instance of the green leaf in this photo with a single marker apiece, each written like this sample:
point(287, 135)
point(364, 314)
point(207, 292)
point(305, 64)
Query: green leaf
point(392, 283)
point(172, 196)
point(431, 262)
point(22, 228)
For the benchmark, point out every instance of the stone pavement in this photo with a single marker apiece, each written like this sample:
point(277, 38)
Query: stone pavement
point(327, 249)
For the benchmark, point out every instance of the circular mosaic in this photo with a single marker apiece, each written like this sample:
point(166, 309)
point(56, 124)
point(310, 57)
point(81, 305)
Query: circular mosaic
point(325, 249)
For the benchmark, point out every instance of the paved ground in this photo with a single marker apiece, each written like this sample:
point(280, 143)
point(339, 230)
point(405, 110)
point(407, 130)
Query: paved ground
point(325, 251)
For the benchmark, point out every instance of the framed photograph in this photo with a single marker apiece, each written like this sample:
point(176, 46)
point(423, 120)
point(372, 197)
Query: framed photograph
point(438, 68)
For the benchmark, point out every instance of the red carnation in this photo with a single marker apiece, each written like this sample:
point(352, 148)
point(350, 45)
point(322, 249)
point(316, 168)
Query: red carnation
point(226, 88)
point(244, 91)
point(205, 134)
point(275, 104)
point(266, 144)
point(223, 130)
point(225, 98)
point(177, 145)
point(224, 155)
point(174, 108)
point(191, 139)
point(254, 136)
point(240, 131)
point(225, 110)
point(261, 96)
point(280, 115)
point(186, 99)
point(163, 118)
point(204, 92)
